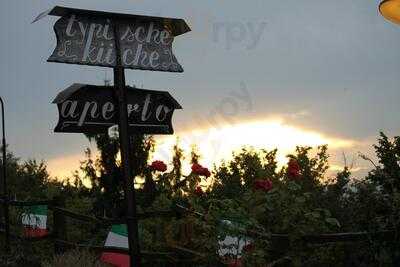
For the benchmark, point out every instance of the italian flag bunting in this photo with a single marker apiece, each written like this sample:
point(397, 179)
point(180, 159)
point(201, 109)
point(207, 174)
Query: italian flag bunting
point(231, 242)
point(34, 220)
point(117, 237)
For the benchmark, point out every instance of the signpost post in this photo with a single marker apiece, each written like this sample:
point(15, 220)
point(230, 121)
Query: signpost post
point(119, 41)
point(132, 221)
point(4, 174)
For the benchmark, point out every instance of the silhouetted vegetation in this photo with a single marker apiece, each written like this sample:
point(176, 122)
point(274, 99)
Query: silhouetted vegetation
point(250, 190)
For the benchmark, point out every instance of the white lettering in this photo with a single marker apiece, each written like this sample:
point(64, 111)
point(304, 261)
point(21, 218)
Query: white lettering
point(132, 108)
point(154, 56)
point(71, 111)
point(125, 57)
point(137, 34)
point(151, 31)
point(137, 55)
point(106, 31)
point(85, 112)
point(83, 28)
point(145, 111)
point(128, 34)
point(108, 108)
point(70, 25)
point(162, 109)
point(165, 37)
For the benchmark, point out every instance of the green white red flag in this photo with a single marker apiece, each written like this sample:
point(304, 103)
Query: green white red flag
point(231, 242)
point(117, 237)
point(34, 220)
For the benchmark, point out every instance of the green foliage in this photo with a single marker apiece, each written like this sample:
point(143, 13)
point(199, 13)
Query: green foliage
point(309, 204)
point(75, 258)
point(387, 174)
point(105, 173)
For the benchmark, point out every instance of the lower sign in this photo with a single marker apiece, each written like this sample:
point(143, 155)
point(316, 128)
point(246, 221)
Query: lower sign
point(92, 109)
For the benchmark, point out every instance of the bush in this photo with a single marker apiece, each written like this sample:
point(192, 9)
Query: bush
point(76, 258)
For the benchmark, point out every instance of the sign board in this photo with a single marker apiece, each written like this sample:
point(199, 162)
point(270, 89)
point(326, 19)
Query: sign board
point(88, 37)
point(86, 108)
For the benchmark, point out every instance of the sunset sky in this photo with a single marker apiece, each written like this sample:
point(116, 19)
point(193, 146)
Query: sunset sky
point(260, 73)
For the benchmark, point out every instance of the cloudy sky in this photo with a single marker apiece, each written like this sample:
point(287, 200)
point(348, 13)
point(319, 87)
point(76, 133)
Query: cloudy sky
point(262, 73)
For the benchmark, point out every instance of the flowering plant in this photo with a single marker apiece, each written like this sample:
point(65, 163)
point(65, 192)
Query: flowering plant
point(293, 169)
point(200, 170)
point(263, 185)
point(158, 165)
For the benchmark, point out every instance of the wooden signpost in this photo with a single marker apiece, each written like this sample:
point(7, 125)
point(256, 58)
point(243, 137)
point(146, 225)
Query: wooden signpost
point(4, 212)
point(119, 41)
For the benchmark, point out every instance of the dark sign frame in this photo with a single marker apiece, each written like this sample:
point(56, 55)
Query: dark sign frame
point(84, 108)
point(87, 37)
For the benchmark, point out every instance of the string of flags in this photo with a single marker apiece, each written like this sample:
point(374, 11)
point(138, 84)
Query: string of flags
point(230, 244)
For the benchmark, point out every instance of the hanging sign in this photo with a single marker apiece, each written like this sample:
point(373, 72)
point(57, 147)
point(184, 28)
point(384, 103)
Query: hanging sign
point(86, 108)
point(88, 37)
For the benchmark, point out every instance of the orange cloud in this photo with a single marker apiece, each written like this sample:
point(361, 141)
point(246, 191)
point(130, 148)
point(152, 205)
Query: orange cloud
point(64, 166)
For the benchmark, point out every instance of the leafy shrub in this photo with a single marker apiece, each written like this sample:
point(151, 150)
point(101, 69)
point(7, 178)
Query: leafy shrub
point(76, 258)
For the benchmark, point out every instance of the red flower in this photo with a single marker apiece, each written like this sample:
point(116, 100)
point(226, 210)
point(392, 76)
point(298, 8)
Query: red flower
point(235, 263)
point(206, 172)
point(198, 191)
point(158, 165)
point(196, 168)
point(200, 170)
point(263, 185)
point(293, 169)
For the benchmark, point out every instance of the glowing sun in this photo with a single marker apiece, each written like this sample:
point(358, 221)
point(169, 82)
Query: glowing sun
point(216, 144)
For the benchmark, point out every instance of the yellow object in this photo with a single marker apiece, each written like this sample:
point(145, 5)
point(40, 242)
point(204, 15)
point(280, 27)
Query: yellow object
point(390, 9)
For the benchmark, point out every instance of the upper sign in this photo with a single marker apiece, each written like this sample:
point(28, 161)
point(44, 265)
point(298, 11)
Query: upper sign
point(90, 109)
point(89, 37)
